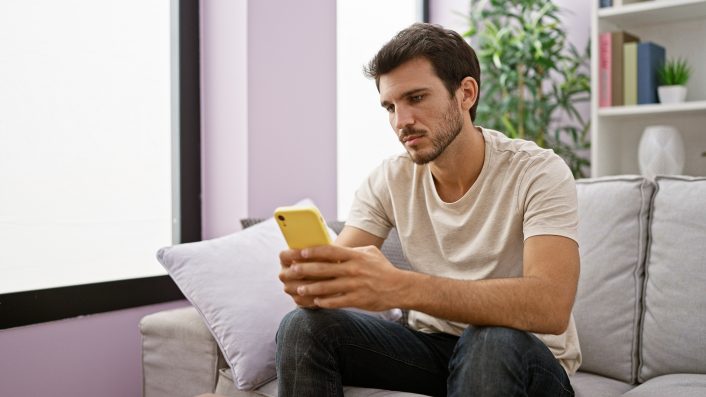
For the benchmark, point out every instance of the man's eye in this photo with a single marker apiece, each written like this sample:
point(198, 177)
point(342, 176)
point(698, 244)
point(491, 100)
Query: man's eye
point(417, 98)
point(390, 109)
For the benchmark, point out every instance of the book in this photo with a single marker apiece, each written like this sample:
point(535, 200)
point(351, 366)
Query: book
point(610, 67)
point(604, 94)
point(650, 57)
point(605, 3)
point(618, 40)
point(630, 74)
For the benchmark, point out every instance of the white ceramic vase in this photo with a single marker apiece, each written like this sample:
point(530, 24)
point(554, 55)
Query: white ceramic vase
point(671, 93)
point(661, 151)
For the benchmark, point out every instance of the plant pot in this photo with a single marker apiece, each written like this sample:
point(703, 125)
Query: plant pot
point(661, 151)
point(671, 93)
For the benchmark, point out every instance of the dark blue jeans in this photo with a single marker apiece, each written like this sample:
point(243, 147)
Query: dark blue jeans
point(319, 351)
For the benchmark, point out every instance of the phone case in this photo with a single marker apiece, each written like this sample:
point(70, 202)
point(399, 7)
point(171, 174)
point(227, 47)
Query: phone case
point(302, 227)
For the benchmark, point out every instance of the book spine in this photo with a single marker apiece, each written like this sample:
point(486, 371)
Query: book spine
point(605, 3)
point(604, 67)
point(650, 57)
point(616, 68)
point(618, 40)
point(630, 73)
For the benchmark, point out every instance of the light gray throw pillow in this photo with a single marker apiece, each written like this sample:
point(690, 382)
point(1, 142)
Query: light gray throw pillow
point(674, 323)
point(613, 218)
point(233, 283)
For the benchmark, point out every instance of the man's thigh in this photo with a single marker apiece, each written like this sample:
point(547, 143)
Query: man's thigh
point(382, 354)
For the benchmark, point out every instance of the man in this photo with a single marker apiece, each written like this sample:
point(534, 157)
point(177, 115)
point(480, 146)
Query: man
point(487, 223)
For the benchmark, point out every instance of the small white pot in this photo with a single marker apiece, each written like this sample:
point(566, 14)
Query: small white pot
point(671, 93)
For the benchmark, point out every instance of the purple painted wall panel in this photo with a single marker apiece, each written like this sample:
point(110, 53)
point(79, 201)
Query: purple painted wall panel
point(97, 355)
point(224, 127)
point(291, 104)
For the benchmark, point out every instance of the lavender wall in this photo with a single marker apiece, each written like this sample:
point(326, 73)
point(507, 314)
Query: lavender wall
point(269, 108)
point(291, 104)
point(224, 116)
point(96, 355)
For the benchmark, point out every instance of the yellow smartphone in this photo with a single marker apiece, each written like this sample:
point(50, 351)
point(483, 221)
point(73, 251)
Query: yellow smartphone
point(302, 226)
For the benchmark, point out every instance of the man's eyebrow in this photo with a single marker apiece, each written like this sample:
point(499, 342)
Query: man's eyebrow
point(405, 94)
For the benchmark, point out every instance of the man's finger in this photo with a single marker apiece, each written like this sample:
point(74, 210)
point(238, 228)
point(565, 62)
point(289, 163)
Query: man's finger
point(333, 302)
point(328, 253)
point(325, 288)
point(289, 256)
point(319, 270)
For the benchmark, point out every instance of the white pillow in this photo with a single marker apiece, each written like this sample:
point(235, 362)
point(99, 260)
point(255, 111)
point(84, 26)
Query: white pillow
point(233, 283)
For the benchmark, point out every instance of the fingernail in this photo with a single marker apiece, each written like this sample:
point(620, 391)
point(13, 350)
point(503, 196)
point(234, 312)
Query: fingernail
point(301, 290)
point(295, 268)
point(305, 253)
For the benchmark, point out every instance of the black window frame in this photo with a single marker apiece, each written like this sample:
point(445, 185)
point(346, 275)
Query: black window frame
point(39, 306)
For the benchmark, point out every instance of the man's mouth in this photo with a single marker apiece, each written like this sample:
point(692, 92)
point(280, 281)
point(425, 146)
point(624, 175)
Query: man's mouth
point(410, 140)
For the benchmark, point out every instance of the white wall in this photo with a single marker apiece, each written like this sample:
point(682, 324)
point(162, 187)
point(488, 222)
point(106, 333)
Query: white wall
point(365, 137)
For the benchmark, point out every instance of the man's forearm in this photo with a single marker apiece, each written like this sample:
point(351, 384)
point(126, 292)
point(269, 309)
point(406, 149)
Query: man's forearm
point(525, 303)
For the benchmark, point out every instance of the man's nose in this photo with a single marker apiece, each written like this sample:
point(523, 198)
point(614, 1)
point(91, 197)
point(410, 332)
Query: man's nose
point(404, 117)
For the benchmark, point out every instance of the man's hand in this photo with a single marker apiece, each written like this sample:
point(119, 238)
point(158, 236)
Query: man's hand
point(292, 281)
point(333, 276)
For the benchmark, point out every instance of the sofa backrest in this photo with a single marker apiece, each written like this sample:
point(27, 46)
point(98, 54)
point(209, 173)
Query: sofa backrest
point(613, 229)
point(674, 316)
point(391, 247)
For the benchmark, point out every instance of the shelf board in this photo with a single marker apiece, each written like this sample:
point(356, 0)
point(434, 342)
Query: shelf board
point(653, 11)
point(658, 108)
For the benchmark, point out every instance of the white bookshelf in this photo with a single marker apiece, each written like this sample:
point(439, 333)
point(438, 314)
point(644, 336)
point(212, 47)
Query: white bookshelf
point(680, 27)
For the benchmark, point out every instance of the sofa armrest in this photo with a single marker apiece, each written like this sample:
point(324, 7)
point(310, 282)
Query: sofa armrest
point(179, 355)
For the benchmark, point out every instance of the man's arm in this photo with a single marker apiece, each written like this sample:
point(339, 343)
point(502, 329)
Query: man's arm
point(354, 237)
point(539, 301)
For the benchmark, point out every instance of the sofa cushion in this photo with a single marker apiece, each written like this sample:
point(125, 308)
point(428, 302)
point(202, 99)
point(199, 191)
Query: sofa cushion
point(674, 322)
point(613, 214)
point(590, 385)
point(682, 385)
point(178, 353)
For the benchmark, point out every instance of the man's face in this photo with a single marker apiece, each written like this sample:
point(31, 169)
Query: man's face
point(424, 117)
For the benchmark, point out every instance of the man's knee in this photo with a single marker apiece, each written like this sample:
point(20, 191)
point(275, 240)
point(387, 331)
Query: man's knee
point(493, 342)
point(308, 324)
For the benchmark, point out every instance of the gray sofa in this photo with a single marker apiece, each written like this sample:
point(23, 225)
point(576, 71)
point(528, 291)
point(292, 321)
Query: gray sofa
point(640, 307)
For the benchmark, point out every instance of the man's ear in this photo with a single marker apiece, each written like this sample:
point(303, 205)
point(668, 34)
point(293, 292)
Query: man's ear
point(469, 92)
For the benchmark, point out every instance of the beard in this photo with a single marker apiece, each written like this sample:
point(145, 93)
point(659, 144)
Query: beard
point(449, 128)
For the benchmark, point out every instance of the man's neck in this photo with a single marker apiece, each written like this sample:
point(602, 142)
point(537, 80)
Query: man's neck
point(458, 168)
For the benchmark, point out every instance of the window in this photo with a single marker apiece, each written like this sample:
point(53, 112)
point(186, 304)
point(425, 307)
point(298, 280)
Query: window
point(99, 152)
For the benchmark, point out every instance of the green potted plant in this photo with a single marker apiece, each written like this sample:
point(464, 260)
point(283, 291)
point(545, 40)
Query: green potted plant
point(533, 78)
point(673, 76)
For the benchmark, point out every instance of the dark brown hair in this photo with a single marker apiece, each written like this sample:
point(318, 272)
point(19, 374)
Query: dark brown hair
point(451, 56)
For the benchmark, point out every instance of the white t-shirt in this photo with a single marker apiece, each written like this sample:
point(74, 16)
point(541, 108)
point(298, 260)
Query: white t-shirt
point(522, 191)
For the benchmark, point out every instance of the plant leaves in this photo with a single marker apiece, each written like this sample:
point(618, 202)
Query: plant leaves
point(533, 77)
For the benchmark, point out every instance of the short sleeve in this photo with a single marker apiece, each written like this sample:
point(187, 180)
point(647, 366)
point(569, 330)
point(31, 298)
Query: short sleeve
point(372, 205)
point(547, 199)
